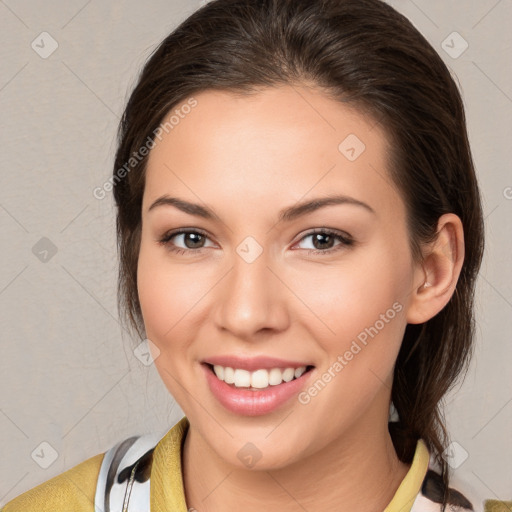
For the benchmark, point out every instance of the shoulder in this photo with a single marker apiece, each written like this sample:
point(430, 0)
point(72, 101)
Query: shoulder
point(430, 496)
point(73, 489)
point(100, 481)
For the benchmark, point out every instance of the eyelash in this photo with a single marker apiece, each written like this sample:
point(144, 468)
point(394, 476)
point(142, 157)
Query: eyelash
point(346, 241)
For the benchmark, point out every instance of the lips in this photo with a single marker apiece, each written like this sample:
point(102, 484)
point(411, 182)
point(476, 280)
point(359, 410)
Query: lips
point(255, 402)
point(252, 364)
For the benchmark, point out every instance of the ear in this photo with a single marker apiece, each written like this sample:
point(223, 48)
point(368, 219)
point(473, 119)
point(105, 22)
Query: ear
point(436, 276)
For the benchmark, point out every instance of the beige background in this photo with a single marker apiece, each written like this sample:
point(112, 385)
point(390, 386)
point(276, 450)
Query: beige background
point(67, 376)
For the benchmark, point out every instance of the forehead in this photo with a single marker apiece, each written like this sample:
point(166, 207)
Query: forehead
point(280, 144)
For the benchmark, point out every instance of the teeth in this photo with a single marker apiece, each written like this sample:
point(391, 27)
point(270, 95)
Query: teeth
point(259, 379)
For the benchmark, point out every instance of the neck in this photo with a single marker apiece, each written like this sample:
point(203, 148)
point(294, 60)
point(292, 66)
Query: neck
point(358, 471)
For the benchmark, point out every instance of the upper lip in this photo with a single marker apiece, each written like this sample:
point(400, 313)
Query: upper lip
point(253, 363)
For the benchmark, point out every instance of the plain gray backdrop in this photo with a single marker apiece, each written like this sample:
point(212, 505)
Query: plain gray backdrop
point(71, 385)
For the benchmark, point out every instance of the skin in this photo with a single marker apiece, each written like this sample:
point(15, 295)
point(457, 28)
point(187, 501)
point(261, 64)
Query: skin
point(248, 158)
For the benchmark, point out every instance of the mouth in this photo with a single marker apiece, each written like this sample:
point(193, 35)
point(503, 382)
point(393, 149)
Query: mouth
point(259, 379)
point(258, 392)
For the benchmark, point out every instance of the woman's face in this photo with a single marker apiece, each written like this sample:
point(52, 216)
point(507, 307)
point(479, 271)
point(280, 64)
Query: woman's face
point(248, 283)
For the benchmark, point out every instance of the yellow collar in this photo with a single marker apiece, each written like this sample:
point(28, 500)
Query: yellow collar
point(166, 489)
point(411, 484)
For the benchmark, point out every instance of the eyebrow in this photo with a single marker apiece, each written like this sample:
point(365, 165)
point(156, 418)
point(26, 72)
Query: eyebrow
point(285, 215)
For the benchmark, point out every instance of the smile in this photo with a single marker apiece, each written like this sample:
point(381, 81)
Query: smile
point(249, 400)
point(259, 379)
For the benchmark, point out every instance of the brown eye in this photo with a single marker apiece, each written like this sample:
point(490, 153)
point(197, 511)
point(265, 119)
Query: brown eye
point(323, 241)
point(196, 240)
point(182, 241)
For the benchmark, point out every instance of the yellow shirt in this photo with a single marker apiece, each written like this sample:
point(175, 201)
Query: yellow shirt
point(74, 490)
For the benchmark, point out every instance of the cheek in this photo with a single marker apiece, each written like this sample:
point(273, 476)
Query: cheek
point(167, 294)
point(351, 297)
point(359, 314)
point(362, 307)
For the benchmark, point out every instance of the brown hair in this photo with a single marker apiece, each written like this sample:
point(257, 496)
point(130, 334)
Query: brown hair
point(364, 53)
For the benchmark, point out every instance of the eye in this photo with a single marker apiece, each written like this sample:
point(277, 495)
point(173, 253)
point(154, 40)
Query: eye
point(193, 239)
point(323, 239)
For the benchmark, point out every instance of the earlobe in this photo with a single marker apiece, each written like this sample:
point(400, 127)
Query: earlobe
point(439, 271)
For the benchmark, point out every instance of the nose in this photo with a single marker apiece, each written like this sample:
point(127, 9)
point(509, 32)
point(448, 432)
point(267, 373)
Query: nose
point(252, 299)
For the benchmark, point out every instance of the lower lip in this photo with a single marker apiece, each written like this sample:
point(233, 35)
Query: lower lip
point(254, 403)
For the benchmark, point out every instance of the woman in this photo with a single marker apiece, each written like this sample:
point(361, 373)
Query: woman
point(300, 230)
